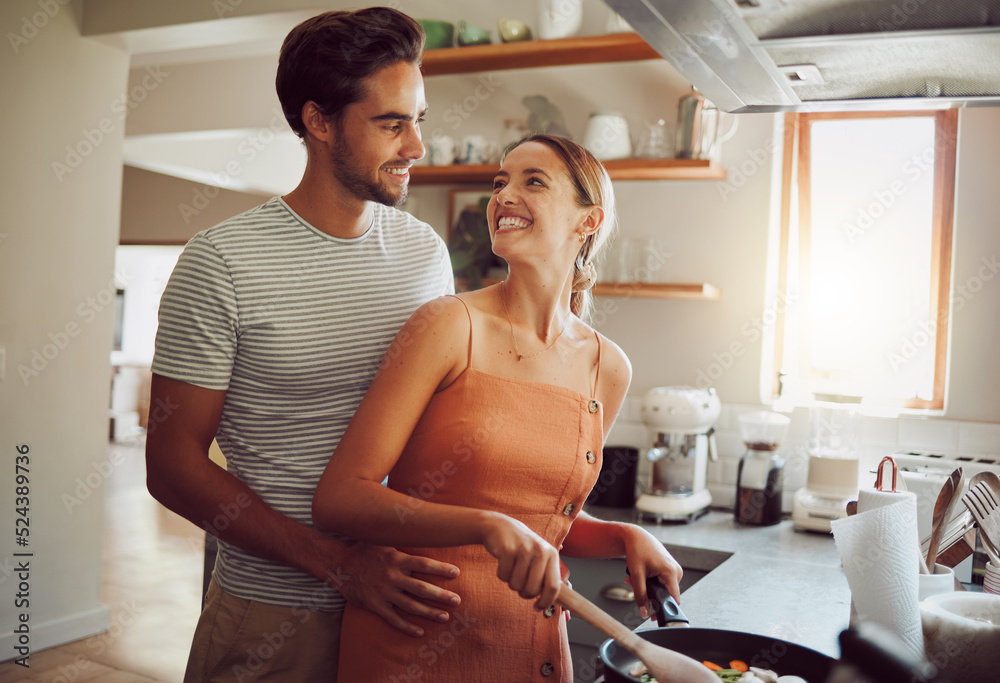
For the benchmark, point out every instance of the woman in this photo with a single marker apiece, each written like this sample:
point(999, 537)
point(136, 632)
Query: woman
point(488, 415)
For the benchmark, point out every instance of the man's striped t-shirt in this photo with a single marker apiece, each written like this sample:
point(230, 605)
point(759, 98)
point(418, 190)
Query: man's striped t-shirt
point(292, 323)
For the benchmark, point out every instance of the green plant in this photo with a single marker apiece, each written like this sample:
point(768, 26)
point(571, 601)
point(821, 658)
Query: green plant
point(470, 247)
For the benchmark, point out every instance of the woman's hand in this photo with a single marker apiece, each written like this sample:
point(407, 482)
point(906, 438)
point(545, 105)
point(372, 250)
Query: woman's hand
point(528, 563)
point(647, 558)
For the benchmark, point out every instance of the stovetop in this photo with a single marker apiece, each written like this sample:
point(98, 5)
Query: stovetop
point(939, 463)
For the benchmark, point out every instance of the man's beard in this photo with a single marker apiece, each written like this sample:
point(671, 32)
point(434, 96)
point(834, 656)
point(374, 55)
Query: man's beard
point(350, 175)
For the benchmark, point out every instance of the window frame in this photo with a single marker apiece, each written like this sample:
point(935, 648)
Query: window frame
point(795, 185)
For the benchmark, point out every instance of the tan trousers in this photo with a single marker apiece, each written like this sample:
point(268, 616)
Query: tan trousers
point(239, 641)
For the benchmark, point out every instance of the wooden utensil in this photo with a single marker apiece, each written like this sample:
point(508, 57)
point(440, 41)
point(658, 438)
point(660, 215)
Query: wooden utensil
point(949, 495)
point(984, 505)
point(991, 478)
point(958, 538)
point(665, 665)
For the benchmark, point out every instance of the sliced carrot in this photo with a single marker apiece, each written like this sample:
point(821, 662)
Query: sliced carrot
point(712, 665)
point(738, 665)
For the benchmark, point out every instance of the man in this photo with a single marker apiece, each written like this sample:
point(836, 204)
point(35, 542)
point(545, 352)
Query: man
point(271, 328)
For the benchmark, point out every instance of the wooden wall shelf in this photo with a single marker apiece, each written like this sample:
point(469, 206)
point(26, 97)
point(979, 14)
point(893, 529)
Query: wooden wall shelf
point(603, 49)
point(638, 290)
point(612, 47)
point(641, 290)
point(624, 169)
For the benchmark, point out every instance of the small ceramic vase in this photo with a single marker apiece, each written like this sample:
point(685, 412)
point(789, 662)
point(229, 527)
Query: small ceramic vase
point(439, 33)
point(472, 35)
point(513, 31)
point(559, 18)
point(440, 150)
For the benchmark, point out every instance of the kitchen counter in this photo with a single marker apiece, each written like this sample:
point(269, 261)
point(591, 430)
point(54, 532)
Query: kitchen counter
point(777, 582)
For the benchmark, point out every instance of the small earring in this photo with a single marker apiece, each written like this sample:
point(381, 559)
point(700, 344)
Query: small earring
point(583, 237)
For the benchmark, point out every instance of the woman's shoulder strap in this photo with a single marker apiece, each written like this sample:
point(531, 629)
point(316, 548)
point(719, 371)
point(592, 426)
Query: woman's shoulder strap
point(469, 314)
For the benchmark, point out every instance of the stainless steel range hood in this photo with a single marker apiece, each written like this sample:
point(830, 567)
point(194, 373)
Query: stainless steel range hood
point(828, 55)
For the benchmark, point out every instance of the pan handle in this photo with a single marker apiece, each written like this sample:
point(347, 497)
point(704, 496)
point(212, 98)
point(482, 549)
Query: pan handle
point(668, 612)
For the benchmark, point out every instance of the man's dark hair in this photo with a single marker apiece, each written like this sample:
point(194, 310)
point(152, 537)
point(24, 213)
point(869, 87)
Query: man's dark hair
point(327, 57)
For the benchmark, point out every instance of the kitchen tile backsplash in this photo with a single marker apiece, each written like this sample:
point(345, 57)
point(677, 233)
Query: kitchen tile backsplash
point(928, 435)
point(879, 437)
point(978, 437)
point(877, 431)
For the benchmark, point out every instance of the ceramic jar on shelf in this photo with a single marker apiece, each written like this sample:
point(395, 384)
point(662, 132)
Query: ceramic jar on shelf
point(607, 136)
point(559, 18)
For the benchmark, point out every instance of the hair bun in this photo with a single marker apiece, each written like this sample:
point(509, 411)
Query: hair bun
point(584, 278)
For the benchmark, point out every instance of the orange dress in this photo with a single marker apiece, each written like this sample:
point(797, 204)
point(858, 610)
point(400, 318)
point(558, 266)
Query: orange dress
point(531, 451)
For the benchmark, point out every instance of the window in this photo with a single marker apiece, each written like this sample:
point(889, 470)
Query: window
point(865, 256)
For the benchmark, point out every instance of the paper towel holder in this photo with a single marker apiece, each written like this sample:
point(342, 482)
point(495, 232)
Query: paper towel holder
point(895, 474)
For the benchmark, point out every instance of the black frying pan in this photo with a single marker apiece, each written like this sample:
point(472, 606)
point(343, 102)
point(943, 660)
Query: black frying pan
point(714, 645)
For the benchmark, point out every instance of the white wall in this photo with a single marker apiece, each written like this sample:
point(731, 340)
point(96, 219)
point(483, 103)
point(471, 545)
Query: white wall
point(144, 271)
point(163, 209)
point(974, 378)
point(56, 281)
point(193, 97)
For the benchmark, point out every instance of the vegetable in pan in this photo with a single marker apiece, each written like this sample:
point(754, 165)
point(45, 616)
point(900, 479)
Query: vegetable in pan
point(738, 672)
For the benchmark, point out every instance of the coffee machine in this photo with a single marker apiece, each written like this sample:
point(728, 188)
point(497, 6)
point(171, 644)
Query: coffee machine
point(683, 419)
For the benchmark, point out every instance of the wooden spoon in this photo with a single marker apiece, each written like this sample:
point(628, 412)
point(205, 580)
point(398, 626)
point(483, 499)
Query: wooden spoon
point(991, 478)
point(949, 495)
point(665, 665)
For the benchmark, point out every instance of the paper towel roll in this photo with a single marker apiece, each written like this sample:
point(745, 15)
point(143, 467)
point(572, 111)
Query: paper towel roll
point(878, 550)
point(872, 499)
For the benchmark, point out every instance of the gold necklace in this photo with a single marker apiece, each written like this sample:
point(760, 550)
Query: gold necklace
point(503, 300)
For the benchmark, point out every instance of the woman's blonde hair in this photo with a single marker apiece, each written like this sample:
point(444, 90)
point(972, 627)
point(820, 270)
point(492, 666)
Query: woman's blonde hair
point(593, 188)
